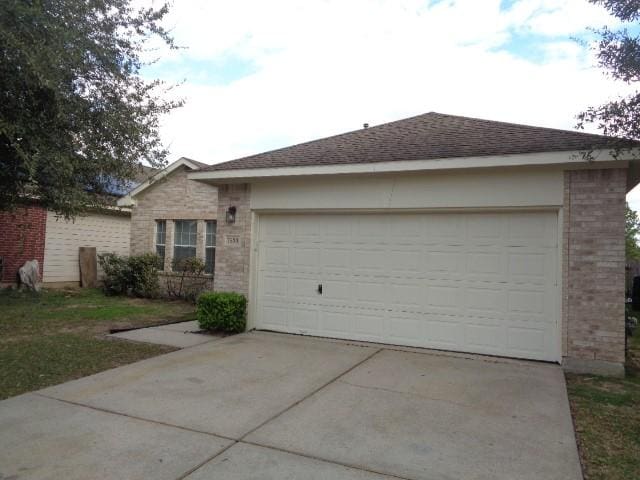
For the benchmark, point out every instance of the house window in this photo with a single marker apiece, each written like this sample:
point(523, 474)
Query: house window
point(161, 237)
point(184, 244)
point(210, 247)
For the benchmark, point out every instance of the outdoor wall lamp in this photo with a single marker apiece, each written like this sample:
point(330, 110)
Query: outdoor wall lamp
point(231, 215)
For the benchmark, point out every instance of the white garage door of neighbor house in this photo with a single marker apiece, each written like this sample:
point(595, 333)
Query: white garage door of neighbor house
point(470, 282)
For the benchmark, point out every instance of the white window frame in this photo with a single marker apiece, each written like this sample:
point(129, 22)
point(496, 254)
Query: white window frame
point(194, 246)
point(211, 247)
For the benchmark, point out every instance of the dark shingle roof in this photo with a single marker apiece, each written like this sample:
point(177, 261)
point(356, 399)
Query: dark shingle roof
point(145, 173)
point(424, 137)
point(198, 164)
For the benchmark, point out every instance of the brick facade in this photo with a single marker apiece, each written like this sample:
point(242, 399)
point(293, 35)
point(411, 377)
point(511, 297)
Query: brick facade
point(173, 197)
point(232, 259)
point(593, 268)
point(22, 237)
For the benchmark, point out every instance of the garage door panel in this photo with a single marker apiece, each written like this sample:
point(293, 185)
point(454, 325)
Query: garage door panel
point(444, 230)
point(371, 229)
point(371, 294)
point(370, 326)
point(486, 229)
point(274, 286)
point(276, 257)
point(444, 261)
point(530, 267)
point(404, 262)
point(482, 283)
point(406, 296)
point(339, 324)
point(274, 317)
point(337, 292)
point(486, 301)
point(443, 332)
point(527, 230)
point(336, 259)
point(339, 229)
point(403, 232)
point(303, 320)
point(527, 340)
point(485, 338)
point(444, 298)
point(527, 302)
point(490, 266)
point(367, 261)
point(303, 289)
point(277, 229)
point(307, 231)
point(305, 259)
point(406, 330)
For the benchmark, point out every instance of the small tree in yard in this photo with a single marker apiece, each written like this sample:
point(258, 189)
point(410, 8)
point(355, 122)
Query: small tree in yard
point(632, 229)
point(76, 117)
point(187, 280)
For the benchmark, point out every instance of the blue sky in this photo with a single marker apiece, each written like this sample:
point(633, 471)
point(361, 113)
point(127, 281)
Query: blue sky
point(261, 75)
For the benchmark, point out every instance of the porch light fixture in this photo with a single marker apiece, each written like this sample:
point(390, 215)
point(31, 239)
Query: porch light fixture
point(231, 215)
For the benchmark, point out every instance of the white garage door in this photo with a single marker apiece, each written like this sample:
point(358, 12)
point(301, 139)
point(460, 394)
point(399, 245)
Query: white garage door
point(470, 282)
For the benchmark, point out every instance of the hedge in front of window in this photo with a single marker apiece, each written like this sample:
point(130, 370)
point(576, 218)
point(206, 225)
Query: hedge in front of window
point(222, 312)
point(136, 275)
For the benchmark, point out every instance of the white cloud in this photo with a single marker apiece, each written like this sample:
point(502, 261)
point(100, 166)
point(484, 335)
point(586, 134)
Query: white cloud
point(562, 17)
point(327, 66)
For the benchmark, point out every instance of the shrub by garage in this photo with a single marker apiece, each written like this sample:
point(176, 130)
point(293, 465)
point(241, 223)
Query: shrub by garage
point(222, 312)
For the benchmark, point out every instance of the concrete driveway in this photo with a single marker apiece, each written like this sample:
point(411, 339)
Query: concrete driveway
point(270, 406)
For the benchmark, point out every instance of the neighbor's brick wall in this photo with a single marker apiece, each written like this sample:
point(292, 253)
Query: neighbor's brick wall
point(22, 235)
point(593, 264)
point(232, 261)
point(173, 197)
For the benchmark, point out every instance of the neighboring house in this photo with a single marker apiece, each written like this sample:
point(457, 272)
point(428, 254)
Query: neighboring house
point(435, 231)
point(33, 232)
point(174, 216)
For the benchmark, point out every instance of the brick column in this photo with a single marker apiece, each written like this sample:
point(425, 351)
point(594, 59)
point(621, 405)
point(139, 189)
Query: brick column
point(233, 241)
point(168, 248)
point(200, 234)
point(593, 270)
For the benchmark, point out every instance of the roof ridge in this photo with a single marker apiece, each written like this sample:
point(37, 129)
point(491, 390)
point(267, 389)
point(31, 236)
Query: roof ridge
point(343, 134)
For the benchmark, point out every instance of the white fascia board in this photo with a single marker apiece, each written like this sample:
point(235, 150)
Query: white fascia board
point(527, 159)
point(128, 199)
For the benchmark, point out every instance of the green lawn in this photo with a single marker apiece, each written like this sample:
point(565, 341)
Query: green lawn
point(59, 335)
point(606, 413)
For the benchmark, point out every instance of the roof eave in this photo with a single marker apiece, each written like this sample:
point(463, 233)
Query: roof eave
point(128, 200)
point(570, 158)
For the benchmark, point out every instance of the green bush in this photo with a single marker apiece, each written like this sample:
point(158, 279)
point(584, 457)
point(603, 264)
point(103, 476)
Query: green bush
point(115, 276)
point(222, 311)
point(136, 275)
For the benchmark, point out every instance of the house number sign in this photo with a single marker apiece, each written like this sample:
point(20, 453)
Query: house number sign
point(232, 240)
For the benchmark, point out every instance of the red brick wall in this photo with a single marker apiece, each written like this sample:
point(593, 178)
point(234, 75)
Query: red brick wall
point(594, 260)
point(22, 234)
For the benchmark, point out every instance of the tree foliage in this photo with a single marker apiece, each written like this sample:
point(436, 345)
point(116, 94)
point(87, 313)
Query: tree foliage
point(76, 117)
point(618, 53)
point(632, 230)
